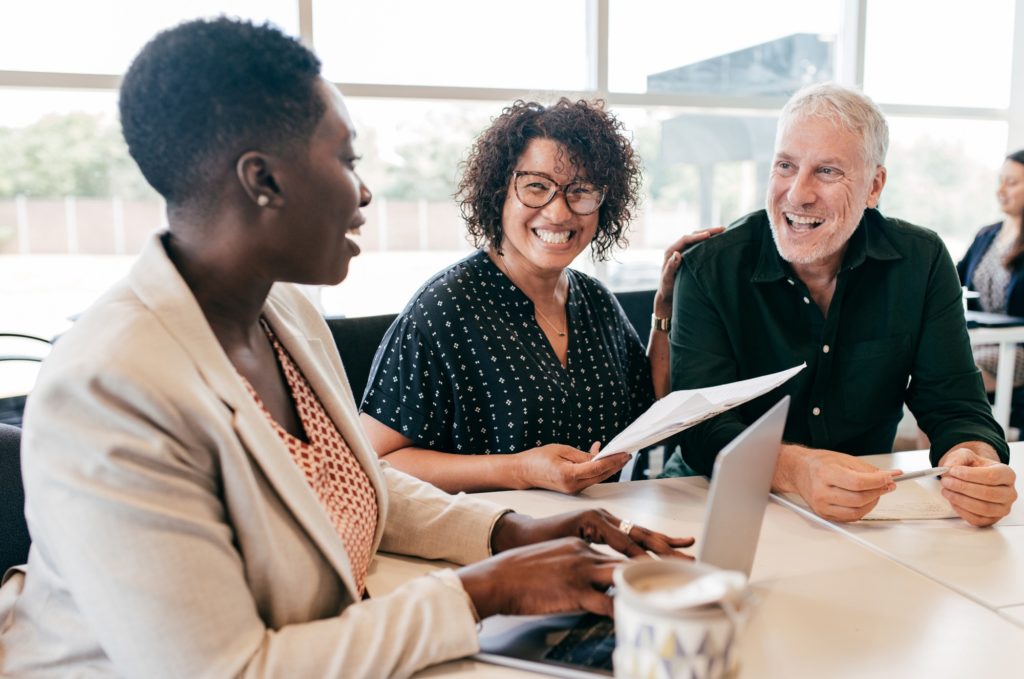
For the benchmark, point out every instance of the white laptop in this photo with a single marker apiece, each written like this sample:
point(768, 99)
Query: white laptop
point(580, 645)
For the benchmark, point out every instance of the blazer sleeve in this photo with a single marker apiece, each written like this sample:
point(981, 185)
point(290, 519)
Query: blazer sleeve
point(427, 522)
point(129, 511)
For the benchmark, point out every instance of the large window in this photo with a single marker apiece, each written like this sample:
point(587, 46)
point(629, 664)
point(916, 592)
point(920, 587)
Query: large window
point(698, 86)
point(102, 36)
point(667, 46)
point(465, 43)
point(922, 53)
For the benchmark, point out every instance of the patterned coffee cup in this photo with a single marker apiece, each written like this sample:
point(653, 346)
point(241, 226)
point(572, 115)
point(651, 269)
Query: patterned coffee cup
point(658, 635)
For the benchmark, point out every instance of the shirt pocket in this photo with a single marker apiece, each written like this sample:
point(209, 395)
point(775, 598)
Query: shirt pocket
point(873, 377)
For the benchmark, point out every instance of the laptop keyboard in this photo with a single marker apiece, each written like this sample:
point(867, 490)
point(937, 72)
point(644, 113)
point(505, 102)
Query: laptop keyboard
point(590, 643)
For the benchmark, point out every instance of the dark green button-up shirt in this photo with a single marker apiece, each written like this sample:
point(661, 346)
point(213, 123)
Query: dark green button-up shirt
point(894, 333)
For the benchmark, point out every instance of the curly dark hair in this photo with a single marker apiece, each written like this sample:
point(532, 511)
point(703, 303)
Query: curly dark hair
point(594, 141)
point(202, 93)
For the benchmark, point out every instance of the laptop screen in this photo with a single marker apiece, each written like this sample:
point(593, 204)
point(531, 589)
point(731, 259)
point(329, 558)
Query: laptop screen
point(740, 487)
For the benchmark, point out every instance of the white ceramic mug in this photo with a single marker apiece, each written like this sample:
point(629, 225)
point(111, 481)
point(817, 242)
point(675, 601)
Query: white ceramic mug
point(659, 636)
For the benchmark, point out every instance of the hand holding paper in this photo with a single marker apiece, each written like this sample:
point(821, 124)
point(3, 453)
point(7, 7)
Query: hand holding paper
point(684, 408)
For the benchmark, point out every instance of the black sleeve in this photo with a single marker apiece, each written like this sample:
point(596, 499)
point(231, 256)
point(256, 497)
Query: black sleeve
point(409, 389)
point(700, 357)
point(946, 393)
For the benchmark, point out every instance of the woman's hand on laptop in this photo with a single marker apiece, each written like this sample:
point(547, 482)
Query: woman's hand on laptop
point(548, 577)
point(592, 525)
point(547, 565)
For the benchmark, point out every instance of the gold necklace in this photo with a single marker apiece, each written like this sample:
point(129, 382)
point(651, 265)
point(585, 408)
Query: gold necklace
point(561, 333)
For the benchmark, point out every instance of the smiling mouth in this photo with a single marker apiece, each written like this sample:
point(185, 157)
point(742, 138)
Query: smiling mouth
point(554, 237)
point(802, 223)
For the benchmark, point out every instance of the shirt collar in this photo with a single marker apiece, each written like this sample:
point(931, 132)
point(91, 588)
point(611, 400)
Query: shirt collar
point(493, 275)
point(868, 241)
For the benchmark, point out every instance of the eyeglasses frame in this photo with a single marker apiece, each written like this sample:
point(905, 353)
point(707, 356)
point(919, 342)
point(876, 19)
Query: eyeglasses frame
point(559, 188)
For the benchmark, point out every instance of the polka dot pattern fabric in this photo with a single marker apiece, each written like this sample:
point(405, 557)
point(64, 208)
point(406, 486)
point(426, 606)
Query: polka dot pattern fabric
point(467, 369)
point(329, 465)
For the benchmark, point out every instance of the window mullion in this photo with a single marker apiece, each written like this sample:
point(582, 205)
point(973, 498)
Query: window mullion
point(850, 44)
point(305, 9)
point(1016, 112)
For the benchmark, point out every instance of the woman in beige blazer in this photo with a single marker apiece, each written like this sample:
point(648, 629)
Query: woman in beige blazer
point(180, 527)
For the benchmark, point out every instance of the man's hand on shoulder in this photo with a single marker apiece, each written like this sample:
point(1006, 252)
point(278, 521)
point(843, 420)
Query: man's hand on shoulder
point(835, 486)
point(978, 486)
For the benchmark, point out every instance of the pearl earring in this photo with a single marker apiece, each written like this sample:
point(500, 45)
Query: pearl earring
point(262, 200)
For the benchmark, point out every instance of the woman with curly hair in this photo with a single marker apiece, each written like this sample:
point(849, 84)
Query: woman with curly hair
point(507, 366)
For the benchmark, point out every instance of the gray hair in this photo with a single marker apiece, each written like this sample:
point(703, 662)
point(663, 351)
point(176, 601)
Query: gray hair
point(852, 109)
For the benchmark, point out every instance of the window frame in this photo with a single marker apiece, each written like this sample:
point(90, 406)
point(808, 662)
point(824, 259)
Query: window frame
point(849, 71)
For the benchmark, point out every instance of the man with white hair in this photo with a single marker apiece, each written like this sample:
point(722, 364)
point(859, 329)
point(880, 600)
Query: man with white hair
point(871, 304)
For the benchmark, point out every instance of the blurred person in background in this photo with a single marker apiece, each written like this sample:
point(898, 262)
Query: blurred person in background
point(994, 267)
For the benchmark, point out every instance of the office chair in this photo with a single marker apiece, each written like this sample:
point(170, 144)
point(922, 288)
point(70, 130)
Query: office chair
point(14, 537)
point(357, 339)
point(638, 305)
point(13, 405)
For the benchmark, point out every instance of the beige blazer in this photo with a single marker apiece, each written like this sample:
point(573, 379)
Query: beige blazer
point(173, 536)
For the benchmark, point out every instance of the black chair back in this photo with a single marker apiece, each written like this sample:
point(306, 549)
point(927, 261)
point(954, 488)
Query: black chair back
point(16, 347)
point(14, 537)
point(357, 339)
point(638, 305)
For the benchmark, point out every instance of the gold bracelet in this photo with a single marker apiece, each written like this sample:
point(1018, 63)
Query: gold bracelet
point(660, 324)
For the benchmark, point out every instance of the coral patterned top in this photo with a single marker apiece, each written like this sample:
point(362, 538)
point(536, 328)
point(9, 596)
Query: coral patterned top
point(330, 467)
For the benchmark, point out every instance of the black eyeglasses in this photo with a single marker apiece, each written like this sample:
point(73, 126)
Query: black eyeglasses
point(536, 190)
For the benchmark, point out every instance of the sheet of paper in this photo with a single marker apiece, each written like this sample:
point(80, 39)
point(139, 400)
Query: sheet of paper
point(687, 407)
point(913, 500)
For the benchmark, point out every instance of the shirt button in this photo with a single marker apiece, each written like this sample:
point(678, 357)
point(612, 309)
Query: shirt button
point(824, 349)
point(790, 281)
point(816, 411)
point(806, 301)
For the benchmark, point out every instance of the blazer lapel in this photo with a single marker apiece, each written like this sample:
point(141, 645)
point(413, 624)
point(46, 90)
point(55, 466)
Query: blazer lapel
point(322, 367)
point(159, 286)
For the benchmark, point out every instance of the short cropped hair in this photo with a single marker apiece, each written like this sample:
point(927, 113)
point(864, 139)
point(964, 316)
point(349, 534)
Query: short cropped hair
point(595, 142)
point(851, 109)
point(202, 93)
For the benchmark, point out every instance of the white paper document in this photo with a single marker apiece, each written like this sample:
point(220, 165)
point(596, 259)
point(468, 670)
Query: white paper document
point(912, 500)
point(684, 408)
point(916, 500)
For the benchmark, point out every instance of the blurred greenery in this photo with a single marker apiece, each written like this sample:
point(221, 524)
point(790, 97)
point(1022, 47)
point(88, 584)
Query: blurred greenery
point(77, 154)
point(666, 184)
point(425, 163)
point(931, 181)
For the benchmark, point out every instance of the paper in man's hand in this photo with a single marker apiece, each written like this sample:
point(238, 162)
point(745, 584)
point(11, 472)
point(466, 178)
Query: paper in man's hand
point(684, 408)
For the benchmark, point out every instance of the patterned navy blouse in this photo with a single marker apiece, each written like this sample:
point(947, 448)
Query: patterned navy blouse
point(466, 369)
